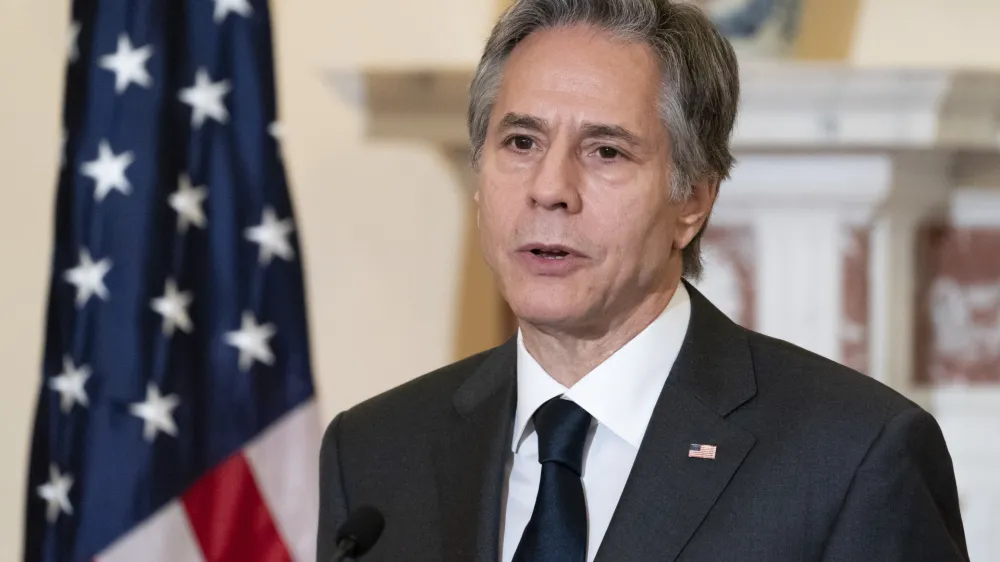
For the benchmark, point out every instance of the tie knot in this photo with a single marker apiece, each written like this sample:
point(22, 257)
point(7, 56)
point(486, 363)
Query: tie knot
point(562, 428)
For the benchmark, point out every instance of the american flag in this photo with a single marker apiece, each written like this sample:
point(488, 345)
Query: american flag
point(176, 418)
point(696, 451)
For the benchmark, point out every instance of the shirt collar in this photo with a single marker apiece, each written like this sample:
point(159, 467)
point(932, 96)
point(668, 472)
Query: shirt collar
point(621, 392)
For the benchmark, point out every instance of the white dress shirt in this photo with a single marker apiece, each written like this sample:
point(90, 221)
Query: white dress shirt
point(620, 395)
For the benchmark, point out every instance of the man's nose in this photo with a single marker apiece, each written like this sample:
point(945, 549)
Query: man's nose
point(557, 185)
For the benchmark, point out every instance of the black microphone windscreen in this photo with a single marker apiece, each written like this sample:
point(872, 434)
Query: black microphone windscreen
point(364, 526)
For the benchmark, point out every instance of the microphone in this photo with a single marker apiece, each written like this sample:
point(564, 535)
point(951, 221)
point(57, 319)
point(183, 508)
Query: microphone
point(359, 533)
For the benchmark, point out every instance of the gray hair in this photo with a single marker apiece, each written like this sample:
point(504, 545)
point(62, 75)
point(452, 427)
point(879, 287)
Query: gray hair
point(699, 80)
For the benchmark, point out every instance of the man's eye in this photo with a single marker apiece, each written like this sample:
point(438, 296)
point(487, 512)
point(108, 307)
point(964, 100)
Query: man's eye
point(522, 143)
point(608, 153)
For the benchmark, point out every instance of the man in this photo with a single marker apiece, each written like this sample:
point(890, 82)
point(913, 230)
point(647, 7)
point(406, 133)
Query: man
point(629, 419)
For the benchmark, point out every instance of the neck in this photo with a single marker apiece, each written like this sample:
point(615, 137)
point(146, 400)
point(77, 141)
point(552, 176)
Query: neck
point(568, 355)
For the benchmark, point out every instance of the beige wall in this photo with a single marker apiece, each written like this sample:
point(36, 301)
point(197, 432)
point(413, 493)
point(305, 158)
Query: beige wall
point(935, 33)
point(31, 53)
point(381, 223)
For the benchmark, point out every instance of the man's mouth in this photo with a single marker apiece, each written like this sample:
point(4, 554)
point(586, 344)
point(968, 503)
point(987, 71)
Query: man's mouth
point(551, 251)
point(550, 254)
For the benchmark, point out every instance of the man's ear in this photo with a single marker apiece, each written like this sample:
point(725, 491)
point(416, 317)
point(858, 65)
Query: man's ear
point(695, 211)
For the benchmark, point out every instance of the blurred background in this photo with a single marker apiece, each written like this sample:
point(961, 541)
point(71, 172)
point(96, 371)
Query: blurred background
point(862, 221)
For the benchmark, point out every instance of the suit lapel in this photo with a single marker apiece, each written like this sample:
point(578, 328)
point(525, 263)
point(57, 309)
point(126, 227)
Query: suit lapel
point(470, 458)
point(668, 494)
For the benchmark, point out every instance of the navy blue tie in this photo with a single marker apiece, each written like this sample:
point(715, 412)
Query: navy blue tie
point(557, 530)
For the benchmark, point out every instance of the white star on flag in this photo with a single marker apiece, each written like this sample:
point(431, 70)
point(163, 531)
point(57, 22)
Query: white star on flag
point(251, 340)
point(205, 98)
point(157, 413)
point(108, 171)
point(187, 202)
point(272, 236)
point(172, 306)
point(223, 7)
point(74, 37)
point(70, 384)
point(55, 492)
point(88, 278)
point(128, 64)
point(274, 129)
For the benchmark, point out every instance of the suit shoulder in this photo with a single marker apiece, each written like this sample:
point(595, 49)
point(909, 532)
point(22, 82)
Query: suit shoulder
point(415, 400)
point(821, 384)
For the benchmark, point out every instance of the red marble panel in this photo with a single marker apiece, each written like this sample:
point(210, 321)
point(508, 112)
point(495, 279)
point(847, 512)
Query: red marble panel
point(854, 320)
point(958, 332)
point(729, 275)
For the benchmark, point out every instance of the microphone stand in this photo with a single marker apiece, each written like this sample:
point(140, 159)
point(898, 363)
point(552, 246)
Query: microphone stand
point(345, 548)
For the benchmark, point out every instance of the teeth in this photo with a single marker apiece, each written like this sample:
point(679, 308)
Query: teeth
point(551, 255)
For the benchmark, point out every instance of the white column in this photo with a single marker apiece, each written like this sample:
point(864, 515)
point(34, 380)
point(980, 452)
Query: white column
point(920, 189)
point(800, 206)
point(892, 266)
point(799, 277)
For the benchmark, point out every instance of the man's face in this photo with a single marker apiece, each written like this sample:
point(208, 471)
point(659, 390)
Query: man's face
point(574, 191)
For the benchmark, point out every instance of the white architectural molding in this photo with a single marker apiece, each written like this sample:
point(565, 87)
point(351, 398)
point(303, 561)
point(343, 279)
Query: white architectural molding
point(970, 114)
point(892, 298)
point(424, 106)
point(799, 273)
point(920, 190)
point(807, 105)
point(789, 106)
point(853, 183)
point(975, 207)
point(800, 206)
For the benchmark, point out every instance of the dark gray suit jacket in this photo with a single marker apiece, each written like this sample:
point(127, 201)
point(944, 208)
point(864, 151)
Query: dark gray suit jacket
point(815, 462)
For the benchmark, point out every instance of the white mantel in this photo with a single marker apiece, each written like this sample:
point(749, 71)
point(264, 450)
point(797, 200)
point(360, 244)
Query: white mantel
point(813, 106)
point(784, 106)
point(820, 147)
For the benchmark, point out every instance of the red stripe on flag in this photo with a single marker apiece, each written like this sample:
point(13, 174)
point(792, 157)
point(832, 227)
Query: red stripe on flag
point(231, 519)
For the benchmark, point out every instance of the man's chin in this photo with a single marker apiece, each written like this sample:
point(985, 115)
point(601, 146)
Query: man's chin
point(549, 313)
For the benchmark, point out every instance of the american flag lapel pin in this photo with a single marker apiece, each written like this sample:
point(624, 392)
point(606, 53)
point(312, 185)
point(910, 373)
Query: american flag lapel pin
point(697, 451)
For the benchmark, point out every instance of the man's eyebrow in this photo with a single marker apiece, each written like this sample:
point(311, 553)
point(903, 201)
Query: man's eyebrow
point(587, 130)
point(522, 121)
point(605, 131)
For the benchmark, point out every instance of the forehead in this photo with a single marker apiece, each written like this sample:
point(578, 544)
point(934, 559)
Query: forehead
point(580, 73)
